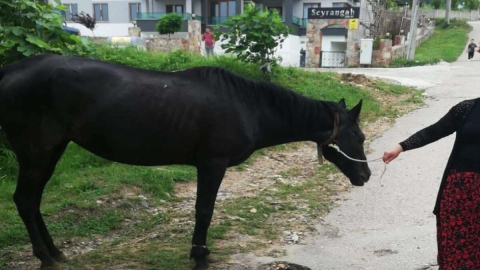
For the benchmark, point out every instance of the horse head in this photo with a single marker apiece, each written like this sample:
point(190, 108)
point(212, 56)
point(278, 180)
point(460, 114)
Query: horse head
point(349, 138)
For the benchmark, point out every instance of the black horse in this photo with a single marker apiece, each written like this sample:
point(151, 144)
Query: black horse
point(204, 117)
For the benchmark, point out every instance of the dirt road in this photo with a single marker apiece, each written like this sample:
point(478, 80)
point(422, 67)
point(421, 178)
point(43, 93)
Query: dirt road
point(389, 225)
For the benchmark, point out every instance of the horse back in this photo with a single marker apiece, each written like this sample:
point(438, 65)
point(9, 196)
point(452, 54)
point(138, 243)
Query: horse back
point(130, 115)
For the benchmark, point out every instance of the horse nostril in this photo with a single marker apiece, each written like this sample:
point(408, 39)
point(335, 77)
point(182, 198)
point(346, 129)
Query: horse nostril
point(365, 176)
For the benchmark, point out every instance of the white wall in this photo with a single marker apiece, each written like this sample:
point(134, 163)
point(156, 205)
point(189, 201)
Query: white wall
point(197, 7)
point(104, 29)
point(289, 51)
point(330, 43)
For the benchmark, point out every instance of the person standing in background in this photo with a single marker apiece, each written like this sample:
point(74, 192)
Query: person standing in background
point(471, 49)
point(209, 39)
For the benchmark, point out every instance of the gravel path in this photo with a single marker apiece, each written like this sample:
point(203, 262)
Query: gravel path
point(389, 225)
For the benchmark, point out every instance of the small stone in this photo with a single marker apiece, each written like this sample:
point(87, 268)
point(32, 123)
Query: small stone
point(145, 204)
point(236, 218)
point(281, 266)
point(253, 210)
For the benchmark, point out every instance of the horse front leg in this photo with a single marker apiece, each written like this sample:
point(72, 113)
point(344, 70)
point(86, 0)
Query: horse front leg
point(209, 178)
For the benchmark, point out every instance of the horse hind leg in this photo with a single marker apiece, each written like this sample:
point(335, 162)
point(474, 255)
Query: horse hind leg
point(36, 168)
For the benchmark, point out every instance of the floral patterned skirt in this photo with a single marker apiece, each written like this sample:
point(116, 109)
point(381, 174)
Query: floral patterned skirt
point(458, 223)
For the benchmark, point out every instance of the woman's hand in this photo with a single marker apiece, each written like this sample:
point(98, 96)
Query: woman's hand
point(392, 154)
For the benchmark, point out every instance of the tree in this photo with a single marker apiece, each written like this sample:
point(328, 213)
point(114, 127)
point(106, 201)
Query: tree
point(437, 4)
point(471, 4)
point(254, 36)
point(86, 20)
point(169, 24)
point(376, 24)
point(30, 27)
point(448, 8)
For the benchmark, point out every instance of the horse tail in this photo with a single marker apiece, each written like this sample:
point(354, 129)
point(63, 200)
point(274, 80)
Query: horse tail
point(2, 73)
point(2, 76)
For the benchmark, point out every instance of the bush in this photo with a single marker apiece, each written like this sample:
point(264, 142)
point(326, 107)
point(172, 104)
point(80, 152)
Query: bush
point(8, 159)
point(169, 24)
point(86, 20)
point(376, 43)
point(454, 23)
point(28, 28)
point(254, 36)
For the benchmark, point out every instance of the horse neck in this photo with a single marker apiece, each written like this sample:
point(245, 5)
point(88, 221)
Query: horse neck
point(296, 119)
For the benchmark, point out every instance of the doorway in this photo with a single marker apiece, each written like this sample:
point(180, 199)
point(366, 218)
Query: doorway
point(334, 47)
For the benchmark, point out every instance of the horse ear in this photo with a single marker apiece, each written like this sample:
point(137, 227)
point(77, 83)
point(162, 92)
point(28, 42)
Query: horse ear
point(342, 104)
point(354, 113)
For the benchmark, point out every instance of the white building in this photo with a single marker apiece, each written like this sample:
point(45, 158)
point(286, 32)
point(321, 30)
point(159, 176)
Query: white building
point(114, 17)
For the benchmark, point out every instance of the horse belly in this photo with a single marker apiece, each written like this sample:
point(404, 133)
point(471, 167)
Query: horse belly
point(146, 153)
point(139, 138)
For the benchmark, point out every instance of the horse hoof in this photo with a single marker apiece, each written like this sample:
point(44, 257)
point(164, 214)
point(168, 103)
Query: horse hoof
point(212, 258)
point(200, 266)
point(50, 266)
point(61, 258)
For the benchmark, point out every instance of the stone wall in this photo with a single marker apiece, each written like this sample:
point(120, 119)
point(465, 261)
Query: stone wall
point(166, 45)
point(436, 13)
point(388, 53)
point(383, 56)
point(314, 42)
point(191, 43)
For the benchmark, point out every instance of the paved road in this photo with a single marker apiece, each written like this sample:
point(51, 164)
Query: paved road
point(392, 227)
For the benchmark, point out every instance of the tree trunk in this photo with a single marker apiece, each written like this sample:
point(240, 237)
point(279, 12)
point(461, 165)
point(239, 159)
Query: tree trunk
point(448, 8)
point(412, 35)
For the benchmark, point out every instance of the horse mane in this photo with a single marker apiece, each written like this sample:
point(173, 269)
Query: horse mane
point(255, 92)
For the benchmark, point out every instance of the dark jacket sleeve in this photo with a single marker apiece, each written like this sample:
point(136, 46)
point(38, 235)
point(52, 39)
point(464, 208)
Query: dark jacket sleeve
point(435, 132)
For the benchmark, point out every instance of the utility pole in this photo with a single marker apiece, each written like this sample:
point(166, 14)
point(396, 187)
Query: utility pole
point(448, 8)
point(412, 36)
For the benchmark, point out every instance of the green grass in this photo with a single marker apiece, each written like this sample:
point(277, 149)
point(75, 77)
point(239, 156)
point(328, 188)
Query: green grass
point(87, 196)
point(446, 44)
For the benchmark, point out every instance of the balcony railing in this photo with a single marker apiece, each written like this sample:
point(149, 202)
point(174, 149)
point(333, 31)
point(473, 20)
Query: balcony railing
point(158, 15)
point(217, 20)
point(302, 22)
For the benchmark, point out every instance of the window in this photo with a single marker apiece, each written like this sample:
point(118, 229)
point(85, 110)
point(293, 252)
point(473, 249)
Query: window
point(223, 8)
point(174, 9)
point(71, 12)
point(306, 6)
point(278, 9)
point(100, 12)
point(134, 9)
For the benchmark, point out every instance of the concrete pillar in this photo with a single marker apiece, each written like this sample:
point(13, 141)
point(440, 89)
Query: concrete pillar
point(238, 6)
point(194, 36)
point(205, 12)
point(188, 6)
point(288, 11)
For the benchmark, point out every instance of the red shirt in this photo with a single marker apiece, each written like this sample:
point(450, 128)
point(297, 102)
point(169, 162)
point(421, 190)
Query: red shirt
point(209, 39)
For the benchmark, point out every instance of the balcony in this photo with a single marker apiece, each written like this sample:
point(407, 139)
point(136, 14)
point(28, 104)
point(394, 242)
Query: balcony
point(158, 15)
point(302, 22)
